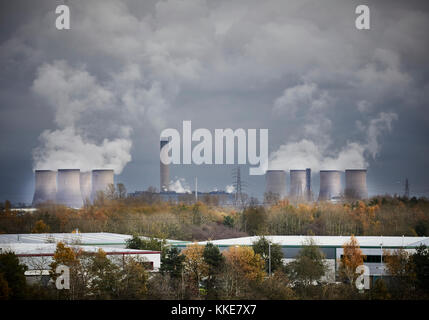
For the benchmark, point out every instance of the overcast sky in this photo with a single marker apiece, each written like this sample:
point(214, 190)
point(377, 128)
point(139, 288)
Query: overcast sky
point(98, 95)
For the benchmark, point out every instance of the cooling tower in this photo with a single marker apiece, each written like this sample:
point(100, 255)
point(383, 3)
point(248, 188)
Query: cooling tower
point(356, 184)
point(330, 184)
point(68, 192)
point(45, 186)
point(101, 179)
point(164, 168)
point(275, 182)
point(298, 183)
point(85, 185)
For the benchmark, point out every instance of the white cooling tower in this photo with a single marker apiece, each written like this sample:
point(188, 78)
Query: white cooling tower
point(330, 184)
point(164, 168)
point(45, 186)
point(275, 182)
point(356, 184)
point(101, 179)
point(68, 192)
point(85, 185)
point(298, 182)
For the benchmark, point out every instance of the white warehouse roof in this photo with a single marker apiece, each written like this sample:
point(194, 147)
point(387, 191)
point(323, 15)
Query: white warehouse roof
point(328, 241)
point(49, 249)
point(97, 238)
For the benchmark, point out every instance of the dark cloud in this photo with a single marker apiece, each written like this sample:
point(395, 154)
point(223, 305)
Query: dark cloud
point(331, 96)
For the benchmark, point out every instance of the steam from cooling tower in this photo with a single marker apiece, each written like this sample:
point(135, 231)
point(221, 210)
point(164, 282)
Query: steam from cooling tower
point(45, 186)
point(356, 187)
point(275, 182)
point(68, 192)
point(101, 179)
point(330, 184)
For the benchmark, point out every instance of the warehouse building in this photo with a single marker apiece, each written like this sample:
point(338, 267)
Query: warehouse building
point(331, 246)
point(36, 250)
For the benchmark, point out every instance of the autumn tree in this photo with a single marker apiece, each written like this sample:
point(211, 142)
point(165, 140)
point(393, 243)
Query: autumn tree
point(243, 266)
point(269, 251)
point(194, 265)
point(40, 227)
point(104, 276)
point(352, 258)
point(400, 269)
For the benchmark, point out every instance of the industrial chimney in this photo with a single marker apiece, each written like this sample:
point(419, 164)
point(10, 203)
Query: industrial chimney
point(85, 185)
point(298, 182)
point(101, 179)
point(330, 184)
point(164, 168)
point(275, 182)
point(45, 186)
point(68, 192)
point(356, 184)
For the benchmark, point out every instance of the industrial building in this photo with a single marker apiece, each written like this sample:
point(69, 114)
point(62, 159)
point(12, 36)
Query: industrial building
point(101, 179)
point(37, 250)
point(275, 181)
point(45, 186)
point(164, 168)
point(298, 181)
point(331, 246)
point(356, 184)
point(70, 187)
point(330, 185)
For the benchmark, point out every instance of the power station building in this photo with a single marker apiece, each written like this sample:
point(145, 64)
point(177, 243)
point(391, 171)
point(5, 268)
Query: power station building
point(45, 186)
point(275, 181)
point(356, 184)
point(70, 187)
point(68, 192)
point(330, 185)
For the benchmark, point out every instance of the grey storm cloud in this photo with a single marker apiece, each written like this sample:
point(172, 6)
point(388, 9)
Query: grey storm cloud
point(331, 96)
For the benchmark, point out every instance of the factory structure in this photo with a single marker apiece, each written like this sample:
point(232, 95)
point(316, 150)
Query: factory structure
point(36, 251)
point(330, 185)
point(74, 188)
point(70, 187)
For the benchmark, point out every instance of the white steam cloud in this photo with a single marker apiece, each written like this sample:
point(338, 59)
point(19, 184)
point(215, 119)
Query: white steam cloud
point(94, 121)
point(314, 149)
point(180, 186)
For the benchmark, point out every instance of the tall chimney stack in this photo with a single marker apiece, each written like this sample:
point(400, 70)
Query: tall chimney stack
point(164, 168)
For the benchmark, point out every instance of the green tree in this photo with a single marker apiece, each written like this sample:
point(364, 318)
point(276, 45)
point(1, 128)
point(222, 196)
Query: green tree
point(228, 221)
point(265, 249)
point(255, 219)
point(104, 276)
point(12, 272)
point(309, 266)
point(172, 263)
point(420, 264)
point(215, 262)
point(136, 242)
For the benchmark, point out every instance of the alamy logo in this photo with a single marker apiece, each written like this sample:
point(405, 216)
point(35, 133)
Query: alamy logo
point(202, 153)
point(362, 281)
point(63, 280)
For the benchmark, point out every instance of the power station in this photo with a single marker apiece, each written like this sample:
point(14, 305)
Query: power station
point(164, 169)
point(275, 181)
point(45, 186)
point(101, 179)
point(298, 181)
point(68, 190)
point(70, 187)
point(356, 184)
point(330, 184)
